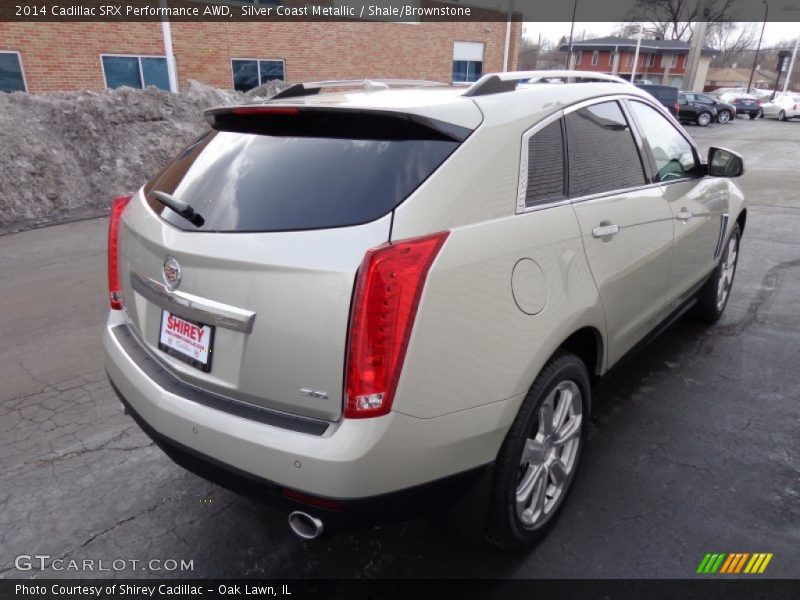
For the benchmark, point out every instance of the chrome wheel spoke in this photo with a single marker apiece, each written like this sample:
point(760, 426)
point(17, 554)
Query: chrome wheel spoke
point(530, 483)
point(546, 414)
point(533, 453)
point(568, 431)
point(557, 474)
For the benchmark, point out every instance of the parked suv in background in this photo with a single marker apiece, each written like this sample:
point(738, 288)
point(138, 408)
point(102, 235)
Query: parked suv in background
point(361, 304)
point(665, 94)
point(724, 112)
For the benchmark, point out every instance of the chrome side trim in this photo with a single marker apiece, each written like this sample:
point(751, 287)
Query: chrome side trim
point(522, 184)
point(723, 228)
point(194, 307)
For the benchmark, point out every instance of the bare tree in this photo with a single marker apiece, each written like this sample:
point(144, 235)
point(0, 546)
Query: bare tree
point(672, 19)
point(731, 41)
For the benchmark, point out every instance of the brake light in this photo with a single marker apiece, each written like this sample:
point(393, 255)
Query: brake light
point(114, 288)
point(677, 107)
point(388, 289)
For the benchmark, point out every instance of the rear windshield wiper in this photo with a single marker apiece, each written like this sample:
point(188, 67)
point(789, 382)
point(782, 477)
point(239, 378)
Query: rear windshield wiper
point(180, 207)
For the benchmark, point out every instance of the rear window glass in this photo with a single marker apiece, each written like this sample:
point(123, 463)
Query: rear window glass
point(245, 181)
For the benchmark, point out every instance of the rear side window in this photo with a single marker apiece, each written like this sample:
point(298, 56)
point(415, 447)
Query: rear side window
point(602, 152)
point(300, 172)
point(545, 165)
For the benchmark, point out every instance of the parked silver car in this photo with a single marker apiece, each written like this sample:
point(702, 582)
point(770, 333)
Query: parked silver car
point(363, 303)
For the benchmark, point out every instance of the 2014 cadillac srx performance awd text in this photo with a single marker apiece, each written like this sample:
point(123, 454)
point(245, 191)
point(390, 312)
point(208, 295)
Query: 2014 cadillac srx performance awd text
point(364, 303)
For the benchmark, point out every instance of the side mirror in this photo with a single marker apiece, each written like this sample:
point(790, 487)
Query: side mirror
point(724, 163)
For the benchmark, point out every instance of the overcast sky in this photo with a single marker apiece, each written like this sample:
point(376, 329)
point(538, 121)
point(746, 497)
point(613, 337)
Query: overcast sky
point(773, 33)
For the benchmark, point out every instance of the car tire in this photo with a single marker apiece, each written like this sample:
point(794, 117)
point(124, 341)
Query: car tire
point(782, 116)
point(724, 116)
point(704, 118)
point(533, 464)
point(713, 296)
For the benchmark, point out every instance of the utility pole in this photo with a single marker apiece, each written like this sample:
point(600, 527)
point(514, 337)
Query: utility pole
point(571, 31)
point(758, 48)
point(636, 54)
point(791, 66)
point(695, 51)
point(166, 32)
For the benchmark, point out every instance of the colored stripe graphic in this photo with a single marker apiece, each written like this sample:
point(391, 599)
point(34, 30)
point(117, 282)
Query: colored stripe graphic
point(733, 563)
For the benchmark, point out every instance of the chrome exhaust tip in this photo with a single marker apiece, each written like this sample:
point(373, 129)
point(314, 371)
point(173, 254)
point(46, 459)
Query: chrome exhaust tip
point(305, 526)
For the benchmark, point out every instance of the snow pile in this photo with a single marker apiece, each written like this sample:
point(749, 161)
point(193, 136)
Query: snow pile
point(66, 155)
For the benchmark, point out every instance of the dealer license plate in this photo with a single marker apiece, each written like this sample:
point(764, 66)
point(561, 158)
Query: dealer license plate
point(188, 341)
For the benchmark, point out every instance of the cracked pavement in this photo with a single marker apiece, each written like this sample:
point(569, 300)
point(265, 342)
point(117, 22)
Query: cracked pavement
point(693, 446)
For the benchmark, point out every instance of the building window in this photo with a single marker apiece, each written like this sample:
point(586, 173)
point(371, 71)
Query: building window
point(578, 56)
point(135, 71)
point(611, 59)
point(649, 60)
point(628, 59)
point(669, 60)
point(12, 79)
point(467, 61)
point(595, 57)
point(249, 73)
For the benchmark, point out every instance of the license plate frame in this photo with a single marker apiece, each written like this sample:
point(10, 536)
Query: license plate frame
point(182, 341)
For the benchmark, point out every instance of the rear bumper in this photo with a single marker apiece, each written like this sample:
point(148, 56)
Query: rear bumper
point(339, 513)
point(353, 461)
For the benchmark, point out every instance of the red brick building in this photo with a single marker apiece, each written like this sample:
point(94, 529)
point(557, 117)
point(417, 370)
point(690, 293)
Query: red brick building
point(661, 61)
point(43, 57)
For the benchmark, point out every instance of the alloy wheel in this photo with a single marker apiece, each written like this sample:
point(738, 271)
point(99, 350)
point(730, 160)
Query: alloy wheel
point(703, 119)
point(550, 455)
point(724, 116)
point(782, 116)
point(727, 271)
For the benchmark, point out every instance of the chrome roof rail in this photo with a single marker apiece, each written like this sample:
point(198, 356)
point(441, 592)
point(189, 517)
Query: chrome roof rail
point(368, 85)
point(495, 83)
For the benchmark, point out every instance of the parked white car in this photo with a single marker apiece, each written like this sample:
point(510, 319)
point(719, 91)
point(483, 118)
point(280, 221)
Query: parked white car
point(785, 106)
point(360, 304)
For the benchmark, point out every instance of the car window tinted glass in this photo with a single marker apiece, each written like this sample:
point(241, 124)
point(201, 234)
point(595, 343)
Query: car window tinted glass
point(704, 98)
point(673, 155)
point(545, 165)
point(602, 152)
point(250, 182)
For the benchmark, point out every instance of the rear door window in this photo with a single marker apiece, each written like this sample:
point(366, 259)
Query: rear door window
point(603, 155)
point(270, 173)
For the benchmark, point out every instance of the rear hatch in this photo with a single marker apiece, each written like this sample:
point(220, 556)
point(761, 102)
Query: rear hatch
point(289, 200)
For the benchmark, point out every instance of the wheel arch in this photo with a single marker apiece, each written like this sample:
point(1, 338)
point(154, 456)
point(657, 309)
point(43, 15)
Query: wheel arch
point(587, 344)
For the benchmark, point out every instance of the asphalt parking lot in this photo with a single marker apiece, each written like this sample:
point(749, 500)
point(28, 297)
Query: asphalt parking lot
point(694, 445)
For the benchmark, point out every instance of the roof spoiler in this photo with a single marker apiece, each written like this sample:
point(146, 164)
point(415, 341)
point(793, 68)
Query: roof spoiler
point(368, 85)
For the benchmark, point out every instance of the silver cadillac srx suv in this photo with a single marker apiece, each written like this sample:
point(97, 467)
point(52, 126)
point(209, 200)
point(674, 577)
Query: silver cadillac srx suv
point(359, 300)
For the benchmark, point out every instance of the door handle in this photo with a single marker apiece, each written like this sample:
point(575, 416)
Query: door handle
point(684, 214)
point(605, 231)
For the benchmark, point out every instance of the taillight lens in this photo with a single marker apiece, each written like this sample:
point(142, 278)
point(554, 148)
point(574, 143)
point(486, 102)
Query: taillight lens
point(388, 289)
point(677, 108)
point(114, 288)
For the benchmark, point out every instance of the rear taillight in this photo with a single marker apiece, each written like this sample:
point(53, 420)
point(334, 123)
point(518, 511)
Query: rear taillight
point(388, 289)
point(676, 107)
point(114, 289)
